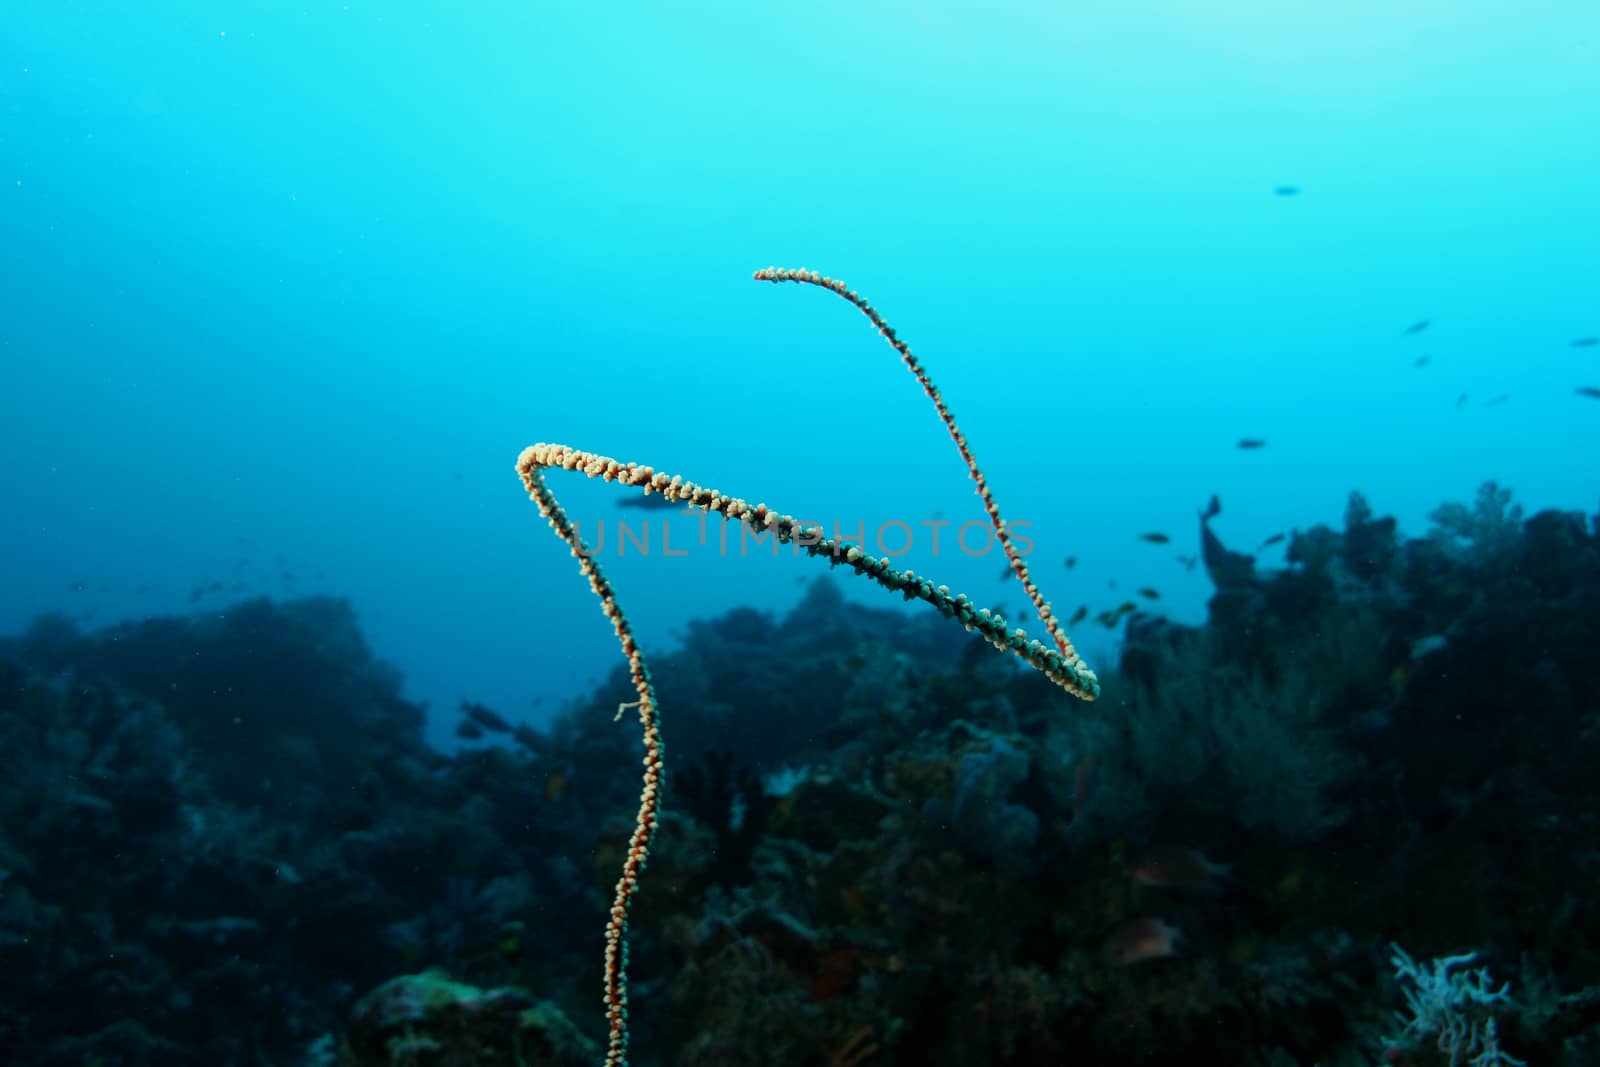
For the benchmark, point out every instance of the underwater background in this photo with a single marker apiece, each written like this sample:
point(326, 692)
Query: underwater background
point(1273, 327)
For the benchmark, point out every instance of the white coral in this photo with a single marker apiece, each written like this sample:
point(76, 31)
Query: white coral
point(1455, 1006)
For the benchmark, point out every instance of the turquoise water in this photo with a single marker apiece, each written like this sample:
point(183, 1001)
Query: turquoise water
point(287, 289)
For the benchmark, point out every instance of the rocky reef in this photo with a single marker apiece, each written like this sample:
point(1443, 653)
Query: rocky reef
point(225, 840)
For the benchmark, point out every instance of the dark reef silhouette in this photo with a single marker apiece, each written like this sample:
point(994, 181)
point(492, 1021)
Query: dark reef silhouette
point(226, 841)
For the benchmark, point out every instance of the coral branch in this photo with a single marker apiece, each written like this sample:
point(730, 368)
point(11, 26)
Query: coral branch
point(1014, 557)
point(644, 827)
point(1070, 674)
point(1062, 665)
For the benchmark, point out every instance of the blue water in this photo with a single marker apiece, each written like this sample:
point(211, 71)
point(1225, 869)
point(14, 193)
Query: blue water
point(287, 288)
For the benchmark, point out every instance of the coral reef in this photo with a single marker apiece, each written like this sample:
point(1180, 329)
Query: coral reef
point(1394, 743)
point(427, 1019)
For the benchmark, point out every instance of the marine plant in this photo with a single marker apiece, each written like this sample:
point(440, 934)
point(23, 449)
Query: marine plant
point(1061, 664)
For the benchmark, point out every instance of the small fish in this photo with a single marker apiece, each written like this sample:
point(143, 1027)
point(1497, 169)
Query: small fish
point(1188, 562)
point(1176, 867)
point(1250, 444)
point(1417, 327)
point(653, 502)
point(1422, 361)
point(1141, 939)
point(1461, 400)
point(1497, 401)
point(1111, 619)
point(1588, 390)
point(1155, 538)
point(1274, 539)
point(1079, 615)
point(485, 717)
point(77, 587)
point(1427, 646)
point(1148, 593)
point(1072, 561)
point(1285, 190)
point(556, 783)
point(468, 730)
point(1585, 342)
point(1006, 573)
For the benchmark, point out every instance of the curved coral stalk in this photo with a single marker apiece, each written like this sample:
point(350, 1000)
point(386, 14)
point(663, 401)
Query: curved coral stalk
point(1014, 557)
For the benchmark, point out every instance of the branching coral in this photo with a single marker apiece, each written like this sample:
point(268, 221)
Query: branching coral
point(1061, 664)
point(1455, 1006)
